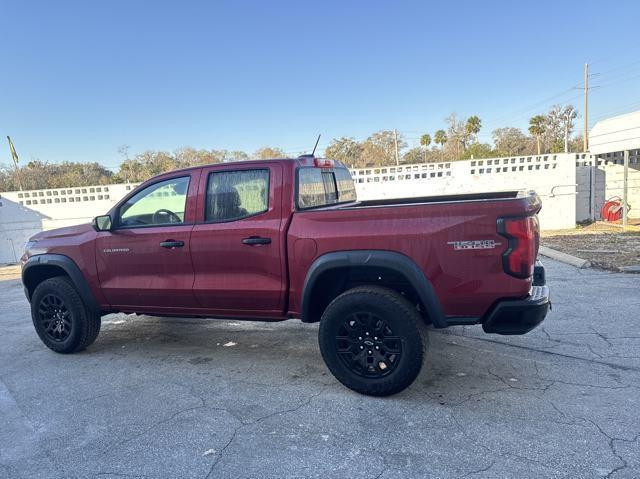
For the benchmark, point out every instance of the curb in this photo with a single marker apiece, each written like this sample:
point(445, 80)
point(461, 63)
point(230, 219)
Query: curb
point(564, 257)
point(633, 269)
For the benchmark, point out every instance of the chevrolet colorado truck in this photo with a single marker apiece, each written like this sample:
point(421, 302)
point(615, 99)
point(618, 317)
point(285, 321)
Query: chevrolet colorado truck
point(279, 239)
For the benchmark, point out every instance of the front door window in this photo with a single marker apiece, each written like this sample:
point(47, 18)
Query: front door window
point(162, 203)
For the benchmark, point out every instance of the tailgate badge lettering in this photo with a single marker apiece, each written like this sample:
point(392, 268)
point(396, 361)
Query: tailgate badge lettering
point(474, 244)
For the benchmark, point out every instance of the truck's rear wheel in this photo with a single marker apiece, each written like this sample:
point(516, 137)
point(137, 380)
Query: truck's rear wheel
point(60, 317)
point(371, 340)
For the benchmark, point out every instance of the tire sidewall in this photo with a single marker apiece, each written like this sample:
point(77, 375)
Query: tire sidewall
point(72, 302)
point(401, 323)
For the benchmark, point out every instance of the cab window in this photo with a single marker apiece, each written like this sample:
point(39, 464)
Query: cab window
point(324, 186)
point(160, 204)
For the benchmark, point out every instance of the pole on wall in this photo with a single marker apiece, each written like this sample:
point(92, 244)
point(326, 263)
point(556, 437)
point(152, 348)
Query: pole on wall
point(592, 187)
point(625, 189)
point(585, 139)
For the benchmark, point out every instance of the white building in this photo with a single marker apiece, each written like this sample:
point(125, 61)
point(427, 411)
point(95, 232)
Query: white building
point(615, 134)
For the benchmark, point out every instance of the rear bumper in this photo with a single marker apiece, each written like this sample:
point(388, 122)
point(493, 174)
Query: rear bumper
point(520, 316)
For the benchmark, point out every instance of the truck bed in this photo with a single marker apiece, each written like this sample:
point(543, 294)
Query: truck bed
point(426, 229)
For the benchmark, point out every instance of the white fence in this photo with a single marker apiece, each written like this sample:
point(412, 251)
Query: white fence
point(553, 177)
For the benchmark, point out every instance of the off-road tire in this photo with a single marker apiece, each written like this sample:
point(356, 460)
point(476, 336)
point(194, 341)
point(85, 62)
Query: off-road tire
point(404, 322)
point(81, 325)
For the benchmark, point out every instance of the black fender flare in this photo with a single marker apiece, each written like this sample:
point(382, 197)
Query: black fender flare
point(392, 260)
point(69, 267)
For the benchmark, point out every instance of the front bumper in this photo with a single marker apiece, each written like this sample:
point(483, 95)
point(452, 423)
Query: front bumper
point(520, 316)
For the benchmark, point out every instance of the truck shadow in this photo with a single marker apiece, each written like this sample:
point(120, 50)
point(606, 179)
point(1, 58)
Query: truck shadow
point(279, 353)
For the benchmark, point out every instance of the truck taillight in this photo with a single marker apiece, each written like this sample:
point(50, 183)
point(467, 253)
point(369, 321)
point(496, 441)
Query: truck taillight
point(523, 235)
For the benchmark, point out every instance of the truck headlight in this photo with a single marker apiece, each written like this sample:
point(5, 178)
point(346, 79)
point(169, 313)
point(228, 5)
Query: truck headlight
point(29, 245)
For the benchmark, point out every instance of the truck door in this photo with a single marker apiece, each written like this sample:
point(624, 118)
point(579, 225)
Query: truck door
point(237, 243)
point(145, 261)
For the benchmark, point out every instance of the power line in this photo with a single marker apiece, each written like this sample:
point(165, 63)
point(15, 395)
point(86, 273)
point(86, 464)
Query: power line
point(616, 82)
point(533, 106)
point(622, 67)
point(617, 110)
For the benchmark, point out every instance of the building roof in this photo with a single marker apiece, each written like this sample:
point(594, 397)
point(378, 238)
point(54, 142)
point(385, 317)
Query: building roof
point(617, 133)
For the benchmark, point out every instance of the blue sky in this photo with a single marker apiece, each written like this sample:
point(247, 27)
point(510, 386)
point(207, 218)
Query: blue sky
point(79, 79)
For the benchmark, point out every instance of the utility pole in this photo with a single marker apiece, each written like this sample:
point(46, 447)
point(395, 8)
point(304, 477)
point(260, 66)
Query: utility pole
point(585, 139)
point(395, 141)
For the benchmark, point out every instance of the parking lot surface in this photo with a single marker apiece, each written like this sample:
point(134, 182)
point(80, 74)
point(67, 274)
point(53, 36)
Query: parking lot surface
point(160, 397)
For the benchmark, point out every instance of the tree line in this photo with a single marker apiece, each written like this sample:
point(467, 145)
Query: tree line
point(37, 174)
point(458, 140)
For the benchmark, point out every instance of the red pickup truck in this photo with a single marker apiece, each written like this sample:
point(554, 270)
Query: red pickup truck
point(279, 239)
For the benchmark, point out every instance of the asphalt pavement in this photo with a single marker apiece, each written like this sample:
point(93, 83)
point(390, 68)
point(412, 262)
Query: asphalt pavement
point(168, 398)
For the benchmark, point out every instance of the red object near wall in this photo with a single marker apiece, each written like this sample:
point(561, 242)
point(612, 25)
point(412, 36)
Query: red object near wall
point(612, 209)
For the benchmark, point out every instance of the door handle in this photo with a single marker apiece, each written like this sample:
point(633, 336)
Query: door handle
point(255, 240)
point(172, 244)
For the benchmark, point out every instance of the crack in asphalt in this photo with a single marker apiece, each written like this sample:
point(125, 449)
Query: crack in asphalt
point(203, 405)
point(221, 453)
point(544, 351)
point(481, 470)
point(381, 473)
point(243, 424)
point(36, 435)
point(610, 441)
point(150, 428)
point(119, 474)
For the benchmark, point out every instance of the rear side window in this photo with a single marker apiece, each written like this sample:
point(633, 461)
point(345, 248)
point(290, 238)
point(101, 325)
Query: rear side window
point(233, 195)
point(322, 186)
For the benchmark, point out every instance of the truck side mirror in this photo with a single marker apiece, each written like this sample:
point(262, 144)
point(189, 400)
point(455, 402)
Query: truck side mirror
point(102, 223)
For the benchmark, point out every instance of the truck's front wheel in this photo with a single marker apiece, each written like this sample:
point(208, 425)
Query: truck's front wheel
point(61, 319)
point(371, 340)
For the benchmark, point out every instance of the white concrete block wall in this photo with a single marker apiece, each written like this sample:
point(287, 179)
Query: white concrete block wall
point(561, 180)
point(552, 176)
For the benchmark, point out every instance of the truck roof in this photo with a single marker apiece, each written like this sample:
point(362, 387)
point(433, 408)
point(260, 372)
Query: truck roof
point(304, 160)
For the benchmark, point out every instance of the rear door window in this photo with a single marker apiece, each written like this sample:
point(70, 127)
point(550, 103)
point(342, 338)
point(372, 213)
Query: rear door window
point(233, 195)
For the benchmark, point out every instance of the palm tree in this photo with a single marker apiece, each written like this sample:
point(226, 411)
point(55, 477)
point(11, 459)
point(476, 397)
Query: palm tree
point(440, 138)
point(537, 127)
point(473, 126)
point(425, 140)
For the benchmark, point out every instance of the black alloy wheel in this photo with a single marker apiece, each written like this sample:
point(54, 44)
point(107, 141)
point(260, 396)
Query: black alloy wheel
point(55, 317)
point(367, 346)
point(61, 318)
point(372, 339)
